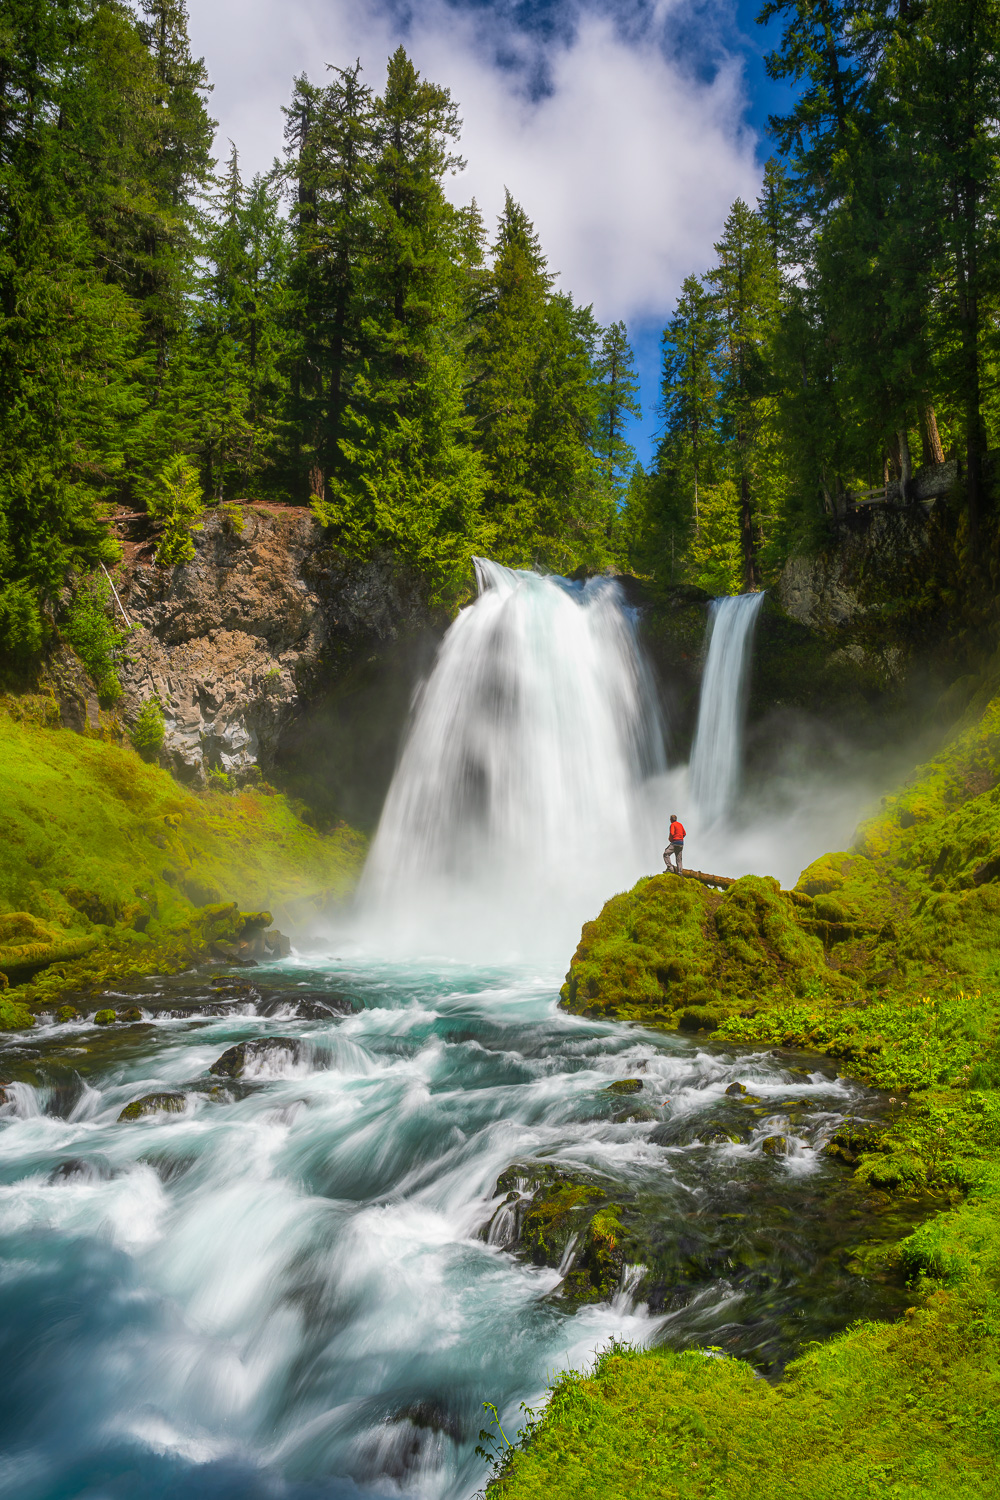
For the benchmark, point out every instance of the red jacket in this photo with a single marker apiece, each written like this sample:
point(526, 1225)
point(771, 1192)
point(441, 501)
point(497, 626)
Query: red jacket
point(677, 833)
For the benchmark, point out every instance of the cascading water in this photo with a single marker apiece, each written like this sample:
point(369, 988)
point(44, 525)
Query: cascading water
point(718, 742)
point(303, 1283)
point(518, 801)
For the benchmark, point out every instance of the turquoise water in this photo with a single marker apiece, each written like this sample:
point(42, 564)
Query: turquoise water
point(286, 1290)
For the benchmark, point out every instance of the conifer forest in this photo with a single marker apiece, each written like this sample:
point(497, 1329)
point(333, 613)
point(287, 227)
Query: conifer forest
point(385, 1113)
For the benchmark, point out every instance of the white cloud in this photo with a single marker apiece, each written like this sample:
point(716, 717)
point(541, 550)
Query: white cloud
point(626, 164)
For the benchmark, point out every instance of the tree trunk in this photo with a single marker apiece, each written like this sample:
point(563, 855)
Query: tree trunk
point(905, 466)
point(746, 534)
point(933, 451)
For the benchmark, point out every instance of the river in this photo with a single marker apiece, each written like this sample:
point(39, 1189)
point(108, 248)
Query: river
point(285, 1290)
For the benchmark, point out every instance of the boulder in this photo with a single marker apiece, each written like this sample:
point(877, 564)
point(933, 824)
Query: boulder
point(153, 1104)
point(235, 1061)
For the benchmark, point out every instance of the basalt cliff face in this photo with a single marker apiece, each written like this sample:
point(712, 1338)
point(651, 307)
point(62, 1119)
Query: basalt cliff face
point(240, 641)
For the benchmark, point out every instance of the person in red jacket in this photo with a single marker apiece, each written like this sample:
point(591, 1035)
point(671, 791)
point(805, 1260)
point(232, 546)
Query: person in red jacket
point(675, 846)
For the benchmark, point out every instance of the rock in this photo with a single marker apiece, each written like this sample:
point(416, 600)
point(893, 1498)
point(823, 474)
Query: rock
point(736, 1090)
point(153, 1104)
point(775, 1145)
point(79, 1169)
point(235, 1061)
point(639, 1113)
point(236, 642)
point(104, 1018)
point(624, 1086)
point(132, 1013)
point(277, 943)
point(67, 1013)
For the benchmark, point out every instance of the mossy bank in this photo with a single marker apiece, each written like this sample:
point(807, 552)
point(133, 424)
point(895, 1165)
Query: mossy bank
point(108, 867)
point(887, 957)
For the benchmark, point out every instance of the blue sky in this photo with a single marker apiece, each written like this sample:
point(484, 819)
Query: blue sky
point(625, 127)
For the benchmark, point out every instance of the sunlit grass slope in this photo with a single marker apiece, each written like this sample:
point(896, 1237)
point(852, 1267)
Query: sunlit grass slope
point(888, 957)
point(105, 862)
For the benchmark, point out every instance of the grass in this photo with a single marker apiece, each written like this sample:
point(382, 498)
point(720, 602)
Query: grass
point(108, 866)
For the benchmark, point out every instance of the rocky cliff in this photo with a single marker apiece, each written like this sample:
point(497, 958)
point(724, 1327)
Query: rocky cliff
point(236, 642)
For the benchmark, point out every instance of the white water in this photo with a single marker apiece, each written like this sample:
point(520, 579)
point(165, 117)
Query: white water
point(716, 755)
point(519, 801)
point(301, 1287)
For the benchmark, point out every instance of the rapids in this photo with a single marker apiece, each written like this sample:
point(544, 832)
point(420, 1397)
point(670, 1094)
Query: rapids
point(287, 1289)
point(304, 1282)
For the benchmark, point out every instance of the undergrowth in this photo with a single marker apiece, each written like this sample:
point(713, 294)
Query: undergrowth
point(107, 865)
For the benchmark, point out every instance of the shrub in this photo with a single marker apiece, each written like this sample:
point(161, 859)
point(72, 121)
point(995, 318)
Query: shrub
point(148, 729)
point(91, 629)
point(176, 504)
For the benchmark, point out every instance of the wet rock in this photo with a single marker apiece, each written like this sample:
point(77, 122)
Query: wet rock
point(638, 1114)
point(737, 1090)
point(79, 1169)
point(235, 1060)
point(153, 1104)
point(775, 1145)
point(132, 1013)
point(624, 1086)
point(277, 944)
point(67, 1013)
point(104, 1018)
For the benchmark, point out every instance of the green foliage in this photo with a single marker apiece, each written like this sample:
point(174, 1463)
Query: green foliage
point(113, 878)
point(176, 503)
point(149, 728)
point(90, 625)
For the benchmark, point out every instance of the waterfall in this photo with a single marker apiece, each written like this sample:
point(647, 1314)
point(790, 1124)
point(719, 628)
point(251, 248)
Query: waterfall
point(716, 753)
point(516, 807)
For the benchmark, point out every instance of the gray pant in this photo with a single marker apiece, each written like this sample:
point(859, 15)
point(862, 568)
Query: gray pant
point(677, 850)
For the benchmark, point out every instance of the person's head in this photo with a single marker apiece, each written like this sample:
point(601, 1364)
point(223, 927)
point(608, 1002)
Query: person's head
point(673, 817)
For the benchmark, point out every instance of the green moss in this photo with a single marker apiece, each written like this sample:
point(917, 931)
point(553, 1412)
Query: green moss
point(673, 952)
point(106, 863)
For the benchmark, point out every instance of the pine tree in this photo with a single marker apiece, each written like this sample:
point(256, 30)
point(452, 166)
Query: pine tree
point(618, 399)
point(746, 286)
point(410, 477)
point(330, 147)
point(510, 324)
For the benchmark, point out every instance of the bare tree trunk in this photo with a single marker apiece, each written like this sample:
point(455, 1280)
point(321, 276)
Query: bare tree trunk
point(905, 466)
point(933, 451)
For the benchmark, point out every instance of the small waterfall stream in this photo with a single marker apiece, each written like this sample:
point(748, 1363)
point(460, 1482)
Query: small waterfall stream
point(718, 741)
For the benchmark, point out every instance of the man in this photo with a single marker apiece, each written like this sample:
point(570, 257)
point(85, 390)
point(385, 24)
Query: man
point(675, 846)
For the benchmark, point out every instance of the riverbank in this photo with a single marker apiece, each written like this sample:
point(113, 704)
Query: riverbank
point(108, 867)
point(884, 957)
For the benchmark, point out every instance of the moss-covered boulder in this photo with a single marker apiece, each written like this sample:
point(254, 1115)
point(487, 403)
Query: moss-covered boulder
point(676, 953)
point(27, 943)
point(153, 1104)
point(564, 1219)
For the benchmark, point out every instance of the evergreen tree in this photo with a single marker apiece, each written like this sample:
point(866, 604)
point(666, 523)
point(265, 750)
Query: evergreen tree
point(510, 323)
point(746, 286)
point(410, 477)
point(618, 399)
point(690, 392)
point(238, 336)
point(330, 144)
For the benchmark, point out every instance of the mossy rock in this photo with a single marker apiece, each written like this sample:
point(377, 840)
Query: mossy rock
point(28, 943)
point(105, 1017)
point(775, 1145)
point(68, 1013)
point(153, 1104)
point(624, 1086)
point(672, 952)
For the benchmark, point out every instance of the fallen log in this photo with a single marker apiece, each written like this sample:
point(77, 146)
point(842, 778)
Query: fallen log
point(723, 881)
